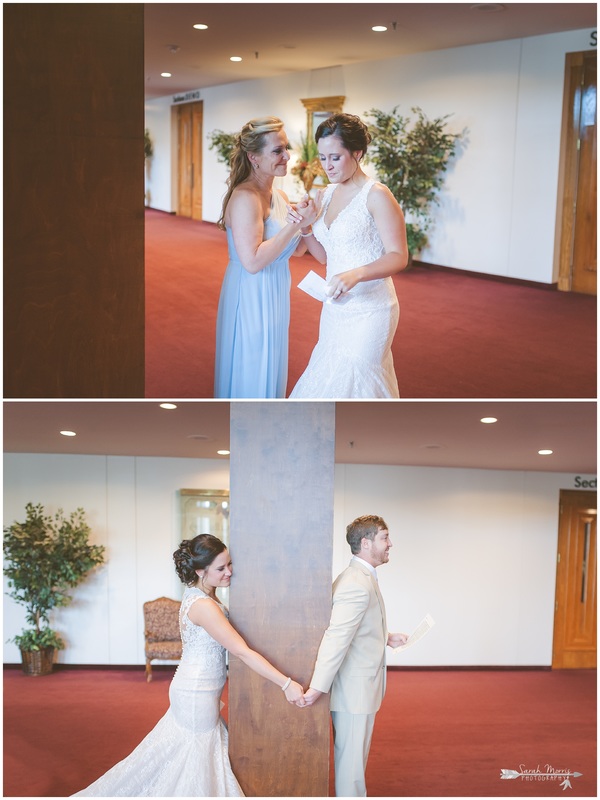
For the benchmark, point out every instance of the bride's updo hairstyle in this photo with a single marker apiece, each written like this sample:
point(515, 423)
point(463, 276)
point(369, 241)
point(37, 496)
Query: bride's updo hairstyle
point(251, 139)
point(349, 128)
point(196, 553)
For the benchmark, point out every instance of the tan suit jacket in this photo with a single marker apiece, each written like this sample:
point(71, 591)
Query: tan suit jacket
point(351, 658)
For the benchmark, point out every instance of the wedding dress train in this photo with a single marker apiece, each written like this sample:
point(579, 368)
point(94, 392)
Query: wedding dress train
point(186, 753)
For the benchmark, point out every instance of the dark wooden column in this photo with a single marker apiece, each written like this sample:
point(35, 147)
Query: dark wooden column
point(282, 465)
point(74, 200)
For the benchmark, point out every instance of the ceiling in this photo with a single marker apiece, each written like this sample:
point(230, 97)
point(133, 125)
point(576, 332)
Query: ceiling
point(279, 38)
point(438, 434)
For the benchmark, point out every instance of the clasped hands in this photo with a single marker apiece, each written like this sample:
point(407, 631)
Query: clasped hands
point(296, 695)
point(303, 213)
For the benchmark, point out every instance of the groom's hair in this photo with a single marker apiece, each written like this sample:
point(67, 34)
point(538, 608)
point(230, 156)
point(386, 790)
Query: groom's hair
point(363, 528)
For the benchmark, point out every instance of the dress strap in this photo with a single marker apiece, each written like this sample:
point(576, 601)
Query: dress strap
point(367, 187)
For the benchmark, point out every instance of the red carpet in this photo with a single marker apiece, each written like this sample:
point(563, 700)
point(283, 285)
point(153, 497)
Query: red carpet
point(459, 336)
point(438, 734)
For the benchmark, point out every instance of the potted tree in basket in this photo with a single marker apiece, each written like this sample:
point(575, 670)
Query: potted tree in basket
point(44, 557)
point(411, 160)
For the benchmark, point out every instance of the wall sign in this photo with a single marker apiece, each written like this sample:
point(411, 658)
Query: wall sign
point(580, 482)
point(186, 97)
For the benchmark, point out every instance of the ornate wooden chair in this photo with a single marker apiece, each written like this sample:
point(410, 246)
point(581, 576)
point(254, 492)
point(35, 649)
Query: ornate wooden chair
point(161, 631)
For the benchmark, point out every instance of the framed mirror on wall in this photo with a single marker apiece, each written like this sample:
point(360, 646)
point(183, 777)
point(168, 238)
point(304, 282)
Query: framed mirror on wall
point(318, 109)
point(205, 511)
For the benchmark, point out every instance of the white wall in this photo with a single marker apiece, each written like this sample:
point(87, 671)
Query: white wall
point(131, 506)
point(475, 548)
point(497, 212)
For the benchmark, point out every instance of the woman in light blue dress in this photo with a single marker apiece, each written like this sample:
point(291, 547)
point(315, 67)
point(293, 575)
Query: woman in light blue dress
point(254, 306)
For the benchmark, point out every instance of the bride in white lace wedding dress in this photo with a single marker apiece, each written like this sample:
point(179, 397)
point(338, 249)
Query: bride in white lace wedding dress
point(361, 235)
point(186, 753)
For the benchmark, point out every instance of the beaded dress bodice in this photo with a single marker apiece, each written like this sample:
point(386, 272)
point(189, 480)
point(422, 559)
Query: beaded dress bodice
point(352, 238)
point(198, 646)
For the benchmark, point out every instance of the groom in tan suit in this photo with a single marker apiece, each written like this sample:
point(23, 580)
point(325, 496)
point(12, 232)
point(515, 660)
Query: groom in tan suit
point(351, 659)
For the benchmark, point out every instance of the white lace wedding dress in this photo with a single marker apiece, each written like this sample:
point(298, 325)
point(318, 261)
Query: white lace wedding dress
point(186, 753)
point(353, 357)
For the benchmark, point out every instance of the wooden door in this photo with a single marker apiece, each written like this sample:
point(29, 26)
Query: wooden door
point(575, 614)
point(578, 179)
point(189, 145)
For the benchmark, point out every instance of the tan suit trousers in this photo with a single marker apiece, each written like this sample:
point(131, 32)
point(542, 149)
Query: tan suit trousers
point(352, 742)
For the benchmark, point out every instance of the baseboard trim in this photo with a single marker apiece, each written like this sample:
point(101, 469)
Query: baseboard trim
point(161, 211)
point(552, 287)
point(392, 668)
point(474, 668)
point(119, 667)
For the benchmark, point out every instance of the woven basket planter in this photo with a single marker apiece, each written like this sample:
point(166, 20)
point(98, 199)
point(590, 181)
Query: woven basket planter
point(38, 662)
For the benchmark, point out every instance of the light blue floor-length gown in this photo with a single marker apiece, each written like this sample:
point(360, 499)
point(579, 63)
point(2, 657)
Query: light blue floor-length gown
point(253, 320)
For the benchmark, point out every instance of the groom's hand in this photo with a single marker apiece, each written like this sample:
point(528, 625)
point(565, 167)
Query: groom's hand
point(311, 696)
point(396, 639)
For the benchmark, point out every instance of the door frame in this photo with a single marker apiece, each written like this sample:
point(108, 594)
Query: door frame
point(560, 659)
point(568, 169)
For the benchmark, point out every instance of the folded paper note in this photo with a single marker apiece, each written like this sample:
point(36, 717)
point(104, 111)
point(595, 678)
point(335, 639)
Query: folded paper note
point(317, 287)
point(314, 285)
point(422, 628)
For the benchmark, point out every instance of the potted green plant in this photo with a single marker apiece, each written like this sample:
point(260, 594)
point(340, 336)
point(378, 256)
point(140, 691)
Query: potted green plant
point(148, 146)
point(148, 153)
point(410, 159)
point(223, 143)
point(44, 557)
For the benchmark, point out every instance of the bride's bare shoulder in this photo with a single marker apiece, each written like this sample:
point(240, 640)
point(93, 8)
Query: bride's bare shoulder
point(380, 196)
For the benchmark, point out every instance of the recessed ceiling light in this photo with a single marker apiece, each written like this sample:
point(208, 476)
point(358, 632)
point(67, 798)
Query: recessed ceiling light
point(168, 405)
point(545, 452)
point(488, 420)
point(235, 58)
point(68, 433)
point(200, 26)
point(165, 74)
point(379, 28)
point(223, 452)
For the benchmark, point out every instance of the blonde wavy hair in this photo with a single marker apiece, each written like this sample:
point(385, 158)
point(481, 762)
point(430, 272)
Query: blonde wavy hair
point(251, 139)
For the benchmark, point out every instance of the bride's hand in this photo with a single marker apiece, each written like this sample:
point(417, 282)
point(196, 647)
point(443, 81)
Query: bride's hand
point(310, 212)
point(303, 213)
point(294, 693)
point(294, 216)
point(343, 282)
